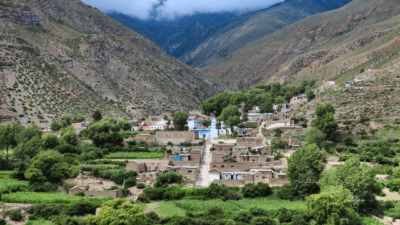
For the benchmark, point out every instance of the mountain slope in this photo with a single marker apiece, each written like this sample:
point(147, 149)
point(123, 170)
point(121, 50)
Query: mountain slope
point(61, 56)
point(332, 45)
point(169, 34)
point(209, 46)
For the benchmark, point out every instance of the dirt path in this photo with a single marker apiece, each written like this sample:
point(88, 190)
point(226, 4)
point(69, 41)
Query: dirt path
point(389, 195)
point(202, 180)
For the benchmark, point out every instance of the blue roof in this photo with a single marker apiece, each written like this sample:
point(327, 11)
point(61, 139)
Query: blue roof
point(254, 114)
point(268, 114)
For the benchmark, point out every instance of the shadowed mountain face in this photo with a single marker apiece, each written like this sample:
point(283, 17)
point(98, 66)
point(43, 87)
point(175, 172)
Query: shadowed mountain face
point(169, 34)
point(62, 56)
point(211, 45)
point(334, 45)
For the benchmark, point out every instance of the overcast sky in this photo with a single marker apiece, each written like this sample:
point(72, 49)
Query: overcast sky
point(169, 8)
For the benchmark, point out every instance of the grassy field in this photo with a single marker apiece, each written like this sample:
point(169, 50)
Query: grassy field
point(46, 198)
point(5, 183)
point(198, 205)
point(181, 206)
point(135, 155)
point(100, 167)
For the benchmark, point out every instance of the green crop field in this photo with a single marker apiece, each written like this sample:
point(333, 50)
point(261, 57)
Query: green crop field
point(135, 155)
point(6, 183)
point(47, 198)
point(199, 205)
point(99, 166)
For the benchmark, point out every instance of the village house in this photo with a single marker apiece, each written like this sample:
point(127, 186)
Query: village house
point(176, 136)
point(158, 127)
point(148, 165)
point(254, 176)
point(249, 141)
point(187, 158)
point(112, 193)
point(223, 146)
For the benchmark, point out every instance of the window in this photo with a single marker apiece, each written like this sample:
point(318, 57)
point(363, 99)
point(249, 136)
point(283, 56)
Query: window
point(232, 165)
point(222, 166)
point(189, 171)
point(174, 170)
point(214, 166)
point(282, 177)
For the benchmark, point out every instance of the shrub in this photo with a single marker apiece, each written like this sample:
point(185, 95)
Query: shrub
point(143, 198)
point(132, 173)
point(80, 193)
point(212, 149)
point(140, 185)
point(81, 208)
point(15, 215)
point(215, 210)
point(130, 182)
point(285, 192)
point(2, 222)
point(153, 217)
point(393, 185)
point(231, 196)
point(262, 221)
point(66, 148)
point(42, 211)
point(243, 216)
point(114, 188)
point(119, 177)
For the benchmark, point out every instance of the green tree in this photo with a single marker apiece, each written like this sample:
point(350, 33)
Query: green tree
point(125, 125)
point(9, 137)
point(276, 89)
point(48, 164)
point(79, 118)
point(230, 115)
point(310, 95)
point(304, 169)
point(97, 115)
point(267, 106)
point(238, 98)
point(216, 104)
point(69, 137)
point(330, 207)
point(105, 131)
point(315, 136)
point(180, 120)
point(245, 117)
point(279, 108)
point(358, 178)
point(50, 141)
point(117, 212)
point(373, 132)
point(55, 126)
point(23, 154)
point(326, 121)
point(66, 119)
point(288, 96)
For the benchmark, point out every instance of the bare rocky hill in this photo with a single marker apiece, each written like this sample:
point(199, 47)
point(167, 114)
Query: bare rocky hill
point(334, 45)
point(61, 56)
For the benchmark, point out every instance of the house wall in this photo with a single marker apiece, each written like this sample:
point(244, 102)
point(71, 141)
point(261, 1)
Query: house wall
point(249, 142)
point(113, 193)
point(225, 166)
point(176, 136)
point(217, 157)
point(230, 182)
point(223, 146)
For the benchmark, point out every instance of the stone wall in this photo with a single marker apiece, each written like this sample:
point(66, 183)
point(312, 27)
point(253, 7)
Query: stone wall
point(113, 193)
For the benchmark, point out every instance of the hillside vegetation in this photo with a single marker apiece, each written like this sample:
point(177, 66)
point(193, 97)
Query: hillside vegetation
point(64, 56)
point(333, 45)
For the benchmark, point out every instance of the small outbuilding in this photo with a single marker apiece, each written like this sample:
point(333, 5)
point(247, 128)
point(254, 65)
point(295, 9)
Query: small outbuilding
point(383, 177)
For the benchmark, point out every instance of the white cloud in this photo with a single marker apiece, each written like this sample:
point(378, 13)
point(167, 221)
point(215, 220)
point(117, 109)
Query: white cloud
point(171, 8)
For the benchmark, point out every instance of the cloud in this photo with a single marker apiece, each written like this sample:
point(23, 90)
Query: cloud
point(170, 8)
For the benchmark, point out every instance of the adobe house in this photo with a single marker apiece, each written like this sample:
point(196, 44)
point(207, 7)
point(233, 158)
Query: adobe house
point(112, 193)
point(292, 142)
point(187, 158)
point(224, 146)
point(254, 176)
point(263, 150)
point(383, 177)
point(249, 141)
point(146, 165)
point(231, 166)
point(186, 171)
point(176, 136)
point(250, 124)
point(218, 156)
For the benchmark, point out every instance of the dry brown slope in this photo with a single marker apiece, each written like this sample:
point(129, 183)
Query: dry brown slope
point(64, 56)
point(311, 45)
